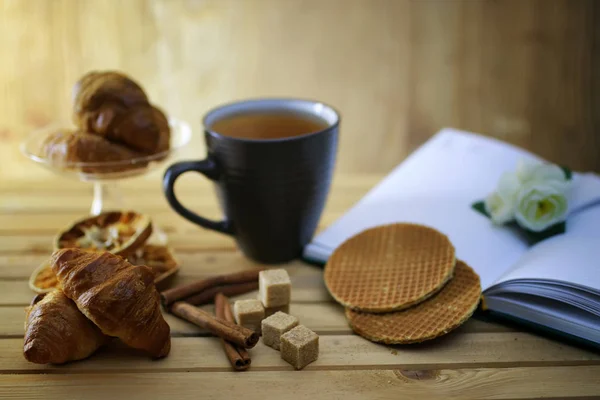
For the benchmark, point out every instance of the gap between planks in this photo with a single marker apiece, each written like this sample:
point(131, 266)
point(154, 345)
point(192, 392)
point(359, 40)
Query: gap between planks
point(509, 383)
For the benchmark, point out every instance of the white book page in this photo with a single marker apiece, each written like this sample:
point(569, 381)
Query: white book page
point(571, 257)
point(585, 191)
point(436, 186)
point(452, 161)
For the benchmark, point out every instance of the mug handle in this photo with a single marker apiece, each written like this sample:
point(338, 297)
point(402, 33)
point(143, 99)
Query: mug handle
point(209, 169)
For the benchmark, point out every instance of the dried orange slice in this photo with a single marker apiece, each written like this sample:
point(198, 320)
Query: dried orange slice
point(159, 258)
point(43, 280)
point(119, 232)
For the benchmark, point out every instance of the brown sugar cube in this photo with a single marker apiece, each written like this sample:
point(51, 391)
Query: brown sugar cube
point(272, 310)
point(299, 346)
point(249, 313)
point(275, 326)
point(275, 287)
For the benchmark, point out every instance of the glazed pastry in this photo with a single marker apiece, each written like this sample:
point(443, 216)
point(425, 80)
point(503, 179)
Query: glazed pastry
point(57, 332)
point(143, 129)
point(96, 88)
point(112, 105)
point(67, 147)
point(101, 120)
point(118, 297)
point(115, 124)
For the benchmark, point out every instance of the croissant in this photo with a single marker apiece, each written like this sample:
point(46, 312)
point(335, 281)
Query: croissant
point(118, 297)
point(144, 129)
point(101, 120)
point(96, 88)
point(112, 105)
point(57, 332)
point(65, 147)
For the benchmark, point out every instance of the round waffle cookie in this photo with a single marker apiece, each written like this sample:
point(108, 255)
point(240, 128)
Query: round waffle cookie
point(389, 267)
point(447, 310)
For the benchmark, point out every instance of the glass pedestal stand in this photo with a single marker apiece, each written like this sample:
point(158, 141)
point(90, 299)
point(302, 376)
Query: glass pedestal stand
point(104, 176)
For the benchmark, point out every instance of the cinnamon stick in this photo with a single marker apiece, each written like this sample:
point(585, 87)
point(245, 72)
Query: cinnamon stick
point(238, 356)
point(206, 296)
point(231, 332)
point(227, 309)
point(180, 292)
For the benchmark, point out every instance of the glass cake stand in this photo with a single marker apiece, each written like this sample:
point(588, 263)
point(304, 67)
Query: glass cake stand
point(104, 176)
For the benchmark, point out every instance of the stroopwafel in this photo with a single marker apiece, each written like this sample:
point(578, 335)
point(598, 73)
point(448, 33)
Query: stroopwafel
point(390, 267)
point(447, 310)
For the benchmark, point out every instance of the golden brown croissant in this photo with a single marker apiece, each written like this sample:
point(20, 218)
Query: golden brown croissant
point(112, 105)
point(99, 87)
point(101, 120)
point(66, 147)
point(144, 129)
point(57, 332)
point(118, 297)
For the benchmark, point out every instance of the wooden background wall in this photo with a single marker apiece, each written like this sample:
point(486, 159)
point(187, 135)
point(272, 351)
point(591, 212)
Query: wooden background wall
point(527, 72)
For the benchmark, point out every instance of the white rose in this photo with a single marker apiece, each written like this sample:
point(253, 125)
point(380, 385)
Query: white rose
point(528, 171)
point(500, 205)
point(541, 204)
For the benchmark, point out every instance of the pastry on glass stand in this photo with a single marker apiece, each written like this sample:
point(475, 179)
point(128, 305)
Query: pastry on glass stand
point(118, 133)
point(144, 129)
point(115, 121)
point(94, 153)
point(97, 88)
point(115, 107)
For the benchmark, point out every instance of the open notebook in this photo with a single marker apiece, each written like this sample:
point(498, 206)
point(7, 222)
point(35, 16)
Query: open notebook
point(554, 284)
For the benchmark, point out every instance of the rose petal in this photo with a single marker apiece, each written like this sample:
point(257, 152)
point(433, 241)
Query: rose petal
point(534, 196)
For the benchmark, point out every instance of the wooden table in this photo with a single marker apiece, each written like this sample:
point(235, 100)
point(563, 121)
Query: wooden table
point(479, 360)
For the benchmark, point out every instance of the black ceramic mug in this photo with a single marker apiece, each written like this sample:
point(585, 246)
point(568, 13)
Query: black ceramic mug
point(272, 191)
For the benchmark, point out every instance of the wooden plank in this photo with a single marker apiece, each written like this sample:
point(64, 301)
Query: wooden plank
point(194, 265)
point(323, 318)
point(355, 182)
point(328, 317)
point(306, 290)
point(197, 239)
point(481, 350)
point(202, 200)
point(50, 222)
point(306, 280)
point(19, 225)
point(507, 383)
